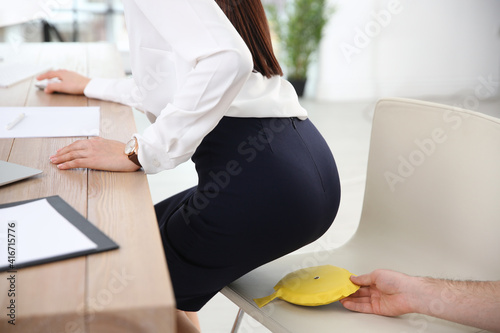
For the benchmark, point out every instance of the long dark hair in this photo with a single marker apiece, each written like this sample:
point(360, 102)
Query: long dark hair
point(249, 19)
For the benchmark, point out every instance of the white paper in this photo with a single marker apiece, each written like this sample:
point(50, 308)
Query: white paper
point(40, 122)
point(39, 232)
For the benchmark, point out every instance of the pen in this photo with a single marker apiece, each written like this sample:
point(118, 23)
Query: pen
point(15, 122)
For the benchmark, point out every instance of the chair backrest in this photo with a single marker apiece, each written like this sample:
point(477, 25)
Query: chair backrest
point(433, 186)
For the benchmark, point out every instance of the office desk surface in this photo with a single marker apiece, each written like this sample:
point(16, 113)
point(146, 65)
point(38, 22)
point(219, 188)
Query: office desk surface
point(124, 290)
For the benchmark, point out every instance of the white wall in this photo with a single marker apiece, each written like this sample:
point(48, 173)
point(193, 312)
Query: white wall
point(408, 48)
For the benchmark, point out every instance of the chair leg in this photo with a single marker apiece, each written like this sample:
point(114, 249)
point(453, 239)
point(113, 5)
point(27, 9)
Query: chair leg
point(237, 321)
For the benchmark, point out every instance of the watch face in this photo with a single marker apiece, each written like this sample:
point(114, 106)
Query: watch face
point(129, 147)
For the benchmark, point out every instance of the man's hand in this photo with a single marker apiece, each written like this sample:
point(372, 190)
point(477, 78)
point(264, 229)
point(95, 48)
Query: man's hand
point(382, 292)
point(96, 153)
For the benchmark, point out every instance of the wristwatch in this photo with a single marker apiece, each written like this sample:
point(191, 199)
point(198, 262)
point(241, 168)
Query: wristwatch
point(131, 151)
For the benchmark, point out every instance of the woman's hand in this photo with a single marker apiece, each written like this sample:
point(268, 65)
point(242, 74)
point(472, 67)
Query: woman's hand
point(71, 82)
point(96, 153)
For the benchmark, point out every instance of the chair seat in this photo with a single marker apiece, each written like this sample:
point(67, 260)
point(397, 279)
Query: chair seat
point(280, 316)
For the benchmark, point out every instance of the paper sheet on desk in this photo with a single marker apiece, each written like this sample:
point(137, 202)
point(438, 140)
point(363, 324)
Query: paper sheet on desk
point(41, 122)
point(37, 232)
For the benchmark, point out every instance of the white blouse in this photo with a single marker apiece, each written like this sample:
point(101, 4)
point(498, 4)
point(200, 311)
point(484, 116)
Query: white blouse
point(190, 68)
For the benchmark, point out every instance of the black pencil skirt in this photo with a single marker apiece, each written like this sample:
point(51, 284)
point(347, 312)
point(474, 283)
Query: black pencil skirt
point(267, 186)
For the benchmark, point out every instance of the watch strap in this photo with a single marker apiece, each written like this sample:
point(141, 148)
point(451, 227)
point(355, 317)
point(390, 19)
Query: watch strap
point(134, 158)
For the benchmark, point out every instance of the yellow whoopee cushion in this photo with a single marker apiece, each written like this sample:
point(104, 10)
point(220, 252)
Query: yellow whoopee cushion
point(312, 286)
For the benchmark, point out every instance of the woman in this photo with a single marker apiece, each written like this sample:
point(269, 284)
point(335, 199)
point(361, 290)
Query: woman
point(212, 88)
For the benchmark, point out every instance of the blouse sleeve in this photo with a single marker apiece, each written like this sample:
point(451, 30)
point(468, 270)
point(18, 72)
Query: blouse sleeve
point(202, 36)
point(114, 90)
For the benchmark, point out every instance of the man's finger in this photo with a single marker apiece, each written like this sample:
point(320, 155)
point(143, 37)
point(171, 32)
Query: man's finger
point(358, 305)
point(361, 292)
point(361, 280)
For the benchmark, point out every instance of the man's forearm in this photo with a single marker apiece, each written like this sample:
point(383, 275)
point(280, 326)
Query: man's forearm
point(473, 303)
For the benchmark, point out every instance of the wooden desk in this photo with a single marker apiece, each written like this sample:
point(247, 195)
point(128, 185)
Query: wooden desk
point(125, 290)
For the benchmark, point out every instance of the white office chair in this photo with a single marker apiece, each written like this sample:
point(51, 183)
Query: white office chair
point(431, 208)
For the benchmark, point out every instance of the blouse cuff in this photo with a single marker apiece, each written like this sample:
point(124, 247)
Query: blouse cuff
point(152, 158)
point(97, 87)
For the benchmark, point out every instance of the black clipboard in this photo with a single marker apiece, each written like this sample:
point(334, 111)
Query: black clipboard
point(104, 243)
